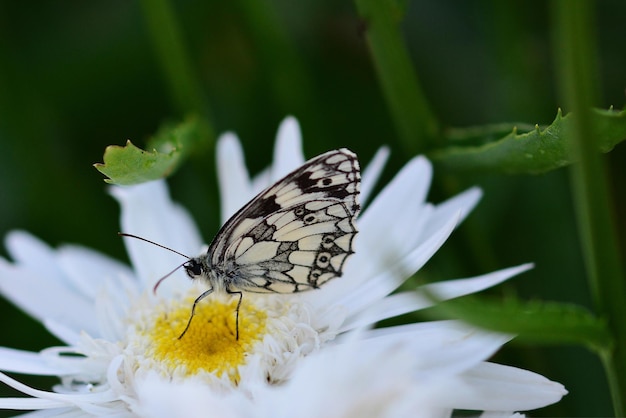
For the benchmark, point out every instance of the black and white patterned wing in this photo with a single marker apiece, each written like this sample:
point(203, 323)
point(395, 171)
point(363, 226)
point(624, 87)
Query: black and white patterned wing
point(297, 234)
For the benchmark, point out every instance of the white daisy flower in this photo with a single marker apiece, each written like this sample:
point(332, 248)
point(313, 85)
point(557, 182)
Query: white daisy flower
point(308, 354)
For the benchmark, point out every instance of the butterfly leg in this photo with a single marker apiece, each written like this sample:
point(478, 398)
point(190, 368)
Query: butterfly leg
point(193, 309)
point(232, 292)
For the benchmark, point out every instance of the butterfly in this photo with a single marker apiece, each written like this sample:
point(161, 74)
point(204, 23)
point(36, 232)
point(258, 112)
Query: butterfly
point(292, 237)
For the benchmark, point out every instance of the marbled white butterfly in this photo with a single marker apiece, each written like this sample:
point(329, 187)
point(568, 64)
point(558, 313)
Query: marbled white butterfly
point(294, 236)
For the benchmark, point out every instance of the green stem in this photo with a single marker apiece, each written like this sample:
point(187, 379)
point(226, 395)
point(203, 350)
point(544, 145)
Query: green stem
point(166, 36)
point(574, 47)
point(415, 122)
point(288, 78)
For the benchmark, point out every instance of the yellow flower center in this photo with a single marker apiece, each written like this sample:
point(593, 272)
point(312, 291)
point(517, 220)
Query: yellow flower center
point(210, 343)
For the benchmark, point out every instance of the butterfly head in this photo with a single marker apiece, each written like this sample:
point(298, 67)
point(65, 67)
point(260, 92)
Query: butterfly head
point(194, 268)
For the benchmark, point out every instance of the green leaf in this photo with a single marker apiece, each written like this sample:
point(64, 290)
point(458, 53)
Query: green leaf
point(131, 165)
point(537, 151)
point(535, 321)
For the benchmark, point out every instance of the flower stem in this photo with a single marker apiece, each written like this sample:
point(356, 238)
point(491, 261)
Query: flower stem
point(415, 122)
point(167, 40)
point(573, 43)
point(279, 58)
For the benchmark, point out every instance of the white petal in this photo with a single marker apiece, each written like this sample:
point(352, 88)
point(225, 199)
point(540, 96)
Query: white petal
point(358, 289)
point(372, 173)
point(395, 215)
point(158, 398)
point(462, 203)
point(42, 298)
point(67, 399)
point(454, 288)
point(496, 387)
point(260, 182)
point(398, 219)
point(112, 307)
point(64, 333)
point(113, 302)
point(501, 414)
point(148, 211)
point(32, 254)
point(26, 362)
point(25, 404)
point(413, 372)
point(288, 149)
point(234, 181)
point(53, 412)
point(88, 270)
point(373, 380)
point(345, 383)
point(388, 307)
point(376, 253)
point(423, 297)
point(440, 348)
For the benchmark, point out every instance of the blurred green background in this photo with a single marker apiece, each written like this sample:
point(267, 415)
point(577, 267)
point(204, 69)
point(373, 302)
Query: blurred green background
point(78, 76)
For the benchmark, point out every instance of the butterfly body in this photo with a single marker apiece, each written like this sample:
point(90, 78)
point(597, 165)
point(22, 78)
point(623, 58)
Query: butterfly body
point(292, 237)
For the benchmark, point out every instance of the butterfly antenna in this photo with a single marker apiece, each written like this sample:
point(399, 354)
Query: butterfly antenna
point(123, 234)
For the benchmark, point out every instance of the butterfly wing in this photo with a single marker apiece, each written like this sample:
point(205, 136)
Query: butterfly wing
point(295, 235)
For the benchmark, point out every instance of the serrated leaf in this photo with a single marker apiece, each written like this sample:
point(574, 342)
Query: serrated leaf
point(537, 151)
point(131, 165)
point(536, 321)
